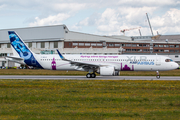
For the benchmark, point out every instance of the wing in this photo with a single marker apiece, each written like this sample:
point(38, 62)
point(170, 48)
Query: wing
point(81, 65)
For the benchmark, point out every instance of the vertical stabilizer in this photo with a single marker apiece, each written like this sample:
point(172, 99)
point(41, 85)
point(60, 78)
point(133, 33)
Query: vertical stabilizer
point(14, 52)
point(19, 46)
point(24, 52)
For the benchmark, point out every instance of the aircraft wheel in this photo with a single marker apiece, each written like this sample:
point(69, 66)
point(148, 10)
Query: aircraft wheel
point(88, 75)
point(93, 75)
point(158, 76)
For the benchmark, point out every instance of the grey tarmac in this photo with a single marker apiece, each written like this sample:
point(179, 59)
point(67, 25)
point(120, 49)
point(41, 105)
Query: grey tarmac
point(39, 77)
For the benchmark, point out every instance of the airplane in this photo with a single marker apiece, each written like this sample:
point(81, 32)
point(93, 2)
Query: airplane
point(105, 65)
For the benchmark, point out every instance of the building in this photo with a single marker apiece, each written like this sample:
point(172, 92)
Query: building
point(46, 39)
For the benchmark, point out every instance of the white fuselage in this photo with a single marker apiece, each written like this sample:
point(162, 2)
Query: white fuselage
point(120, 62)
point(101, 64)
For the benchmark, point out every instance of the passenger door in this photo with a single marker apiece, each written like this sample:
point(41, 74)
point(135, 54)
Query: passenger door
point(158, 60)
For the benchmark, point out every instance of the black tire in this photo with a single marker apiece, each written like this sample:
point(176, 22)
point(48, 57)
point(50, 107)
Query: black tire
point(116, 73)
point(93, 75)
point(88, 75)
point(158, 76)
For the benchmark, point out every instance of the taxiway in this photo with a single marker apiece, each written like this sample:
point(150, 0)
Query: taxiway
point(38, 77)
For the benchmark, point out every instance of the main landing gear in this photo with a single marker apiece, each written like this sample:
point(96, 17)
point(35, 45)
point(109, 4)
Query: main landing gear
point(157, 76)
point(89, 75)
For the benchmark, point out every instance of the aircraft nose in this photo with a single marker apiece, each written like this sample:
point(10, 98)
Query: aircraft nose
point(176, 65)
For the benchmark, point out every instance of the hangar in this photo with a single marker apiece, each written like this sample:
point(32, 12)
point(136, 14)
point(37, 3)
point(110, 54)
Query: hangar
point(46, 39)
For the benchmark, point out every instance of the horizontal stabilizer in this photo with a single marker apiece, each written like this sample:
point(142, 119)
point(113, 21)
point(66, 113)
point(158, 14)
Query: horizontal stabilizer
point(15, 59)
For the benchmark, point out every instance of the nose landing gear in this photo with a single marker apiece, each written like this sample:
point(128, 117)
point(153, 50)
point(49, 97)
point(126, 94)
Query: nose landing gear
point(157, 76)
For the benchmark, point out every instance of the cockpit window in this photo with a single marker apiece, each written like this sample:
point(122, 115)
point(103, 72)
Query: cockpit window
point(168, 60)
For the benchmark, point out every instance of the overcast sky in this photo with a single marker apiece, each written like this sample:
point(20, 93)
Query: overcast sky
point(102, 17)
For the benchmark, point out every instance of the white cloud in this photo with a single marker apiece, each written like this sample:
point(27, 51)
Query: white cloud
point(168, 23)
point(73, 7)
point(2, 6)
point(50, 20)
point(135, 16)
point(104, 16)
point(104, 22)
point(75, 27)
point(111, 21)
point(84, 22)
point(108, 21)
point(172, 18)
point(152, 3)
point(56, 13)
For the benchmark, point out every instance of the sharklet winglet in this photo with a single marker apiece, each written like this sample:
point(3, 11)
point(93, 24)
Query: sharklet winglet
point(61, 56)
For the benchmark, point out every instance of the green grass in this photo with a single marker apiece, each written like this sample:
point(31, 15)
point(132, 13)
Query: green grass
point(52, 72)
point(89, 100)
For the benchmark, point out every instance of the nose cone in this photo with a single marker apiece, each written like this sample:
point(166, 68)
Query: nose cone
point(176, 66)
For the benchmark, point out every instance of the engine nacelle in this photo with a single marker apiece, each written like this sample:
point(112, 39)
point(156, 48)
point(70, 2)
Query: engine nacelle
point(108, 70)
